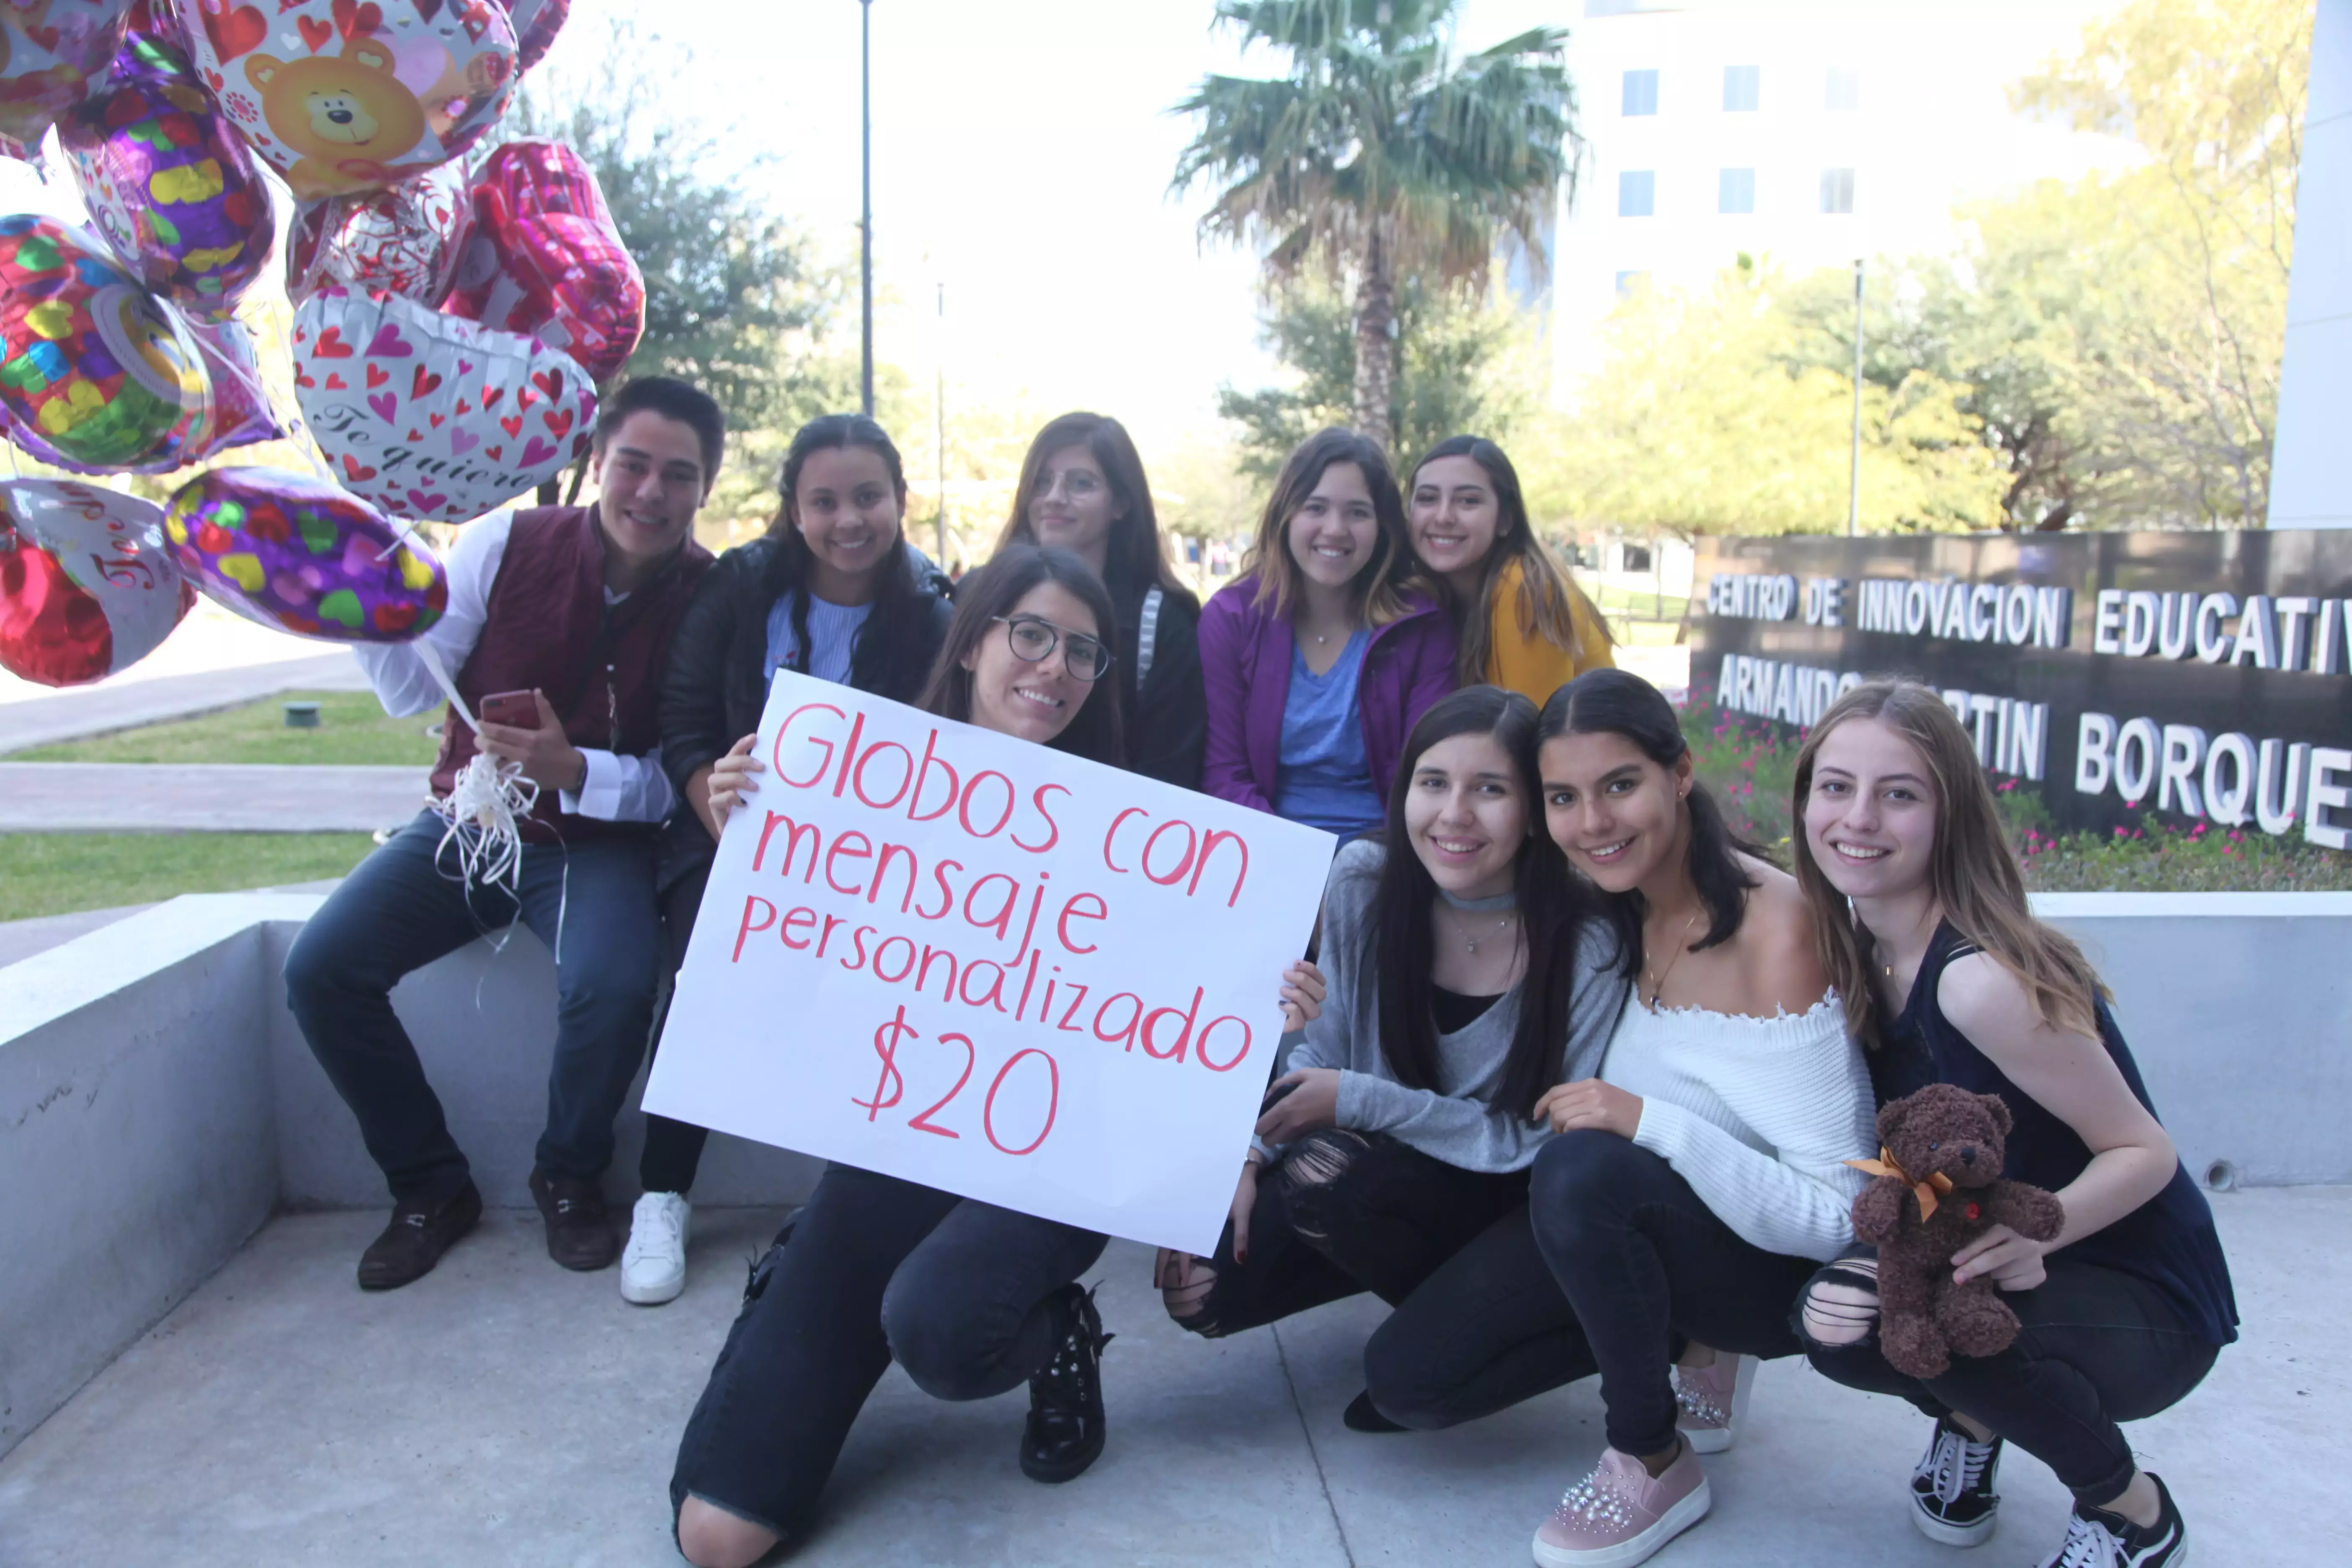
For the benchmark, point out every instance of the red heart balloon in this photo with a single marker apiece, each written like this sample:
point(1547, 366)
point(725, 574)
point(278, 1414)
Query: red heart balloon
point(546, 261)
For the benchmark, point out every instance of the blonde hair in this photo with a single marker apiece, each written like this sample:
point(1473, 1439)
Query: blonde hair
point(1970, 870)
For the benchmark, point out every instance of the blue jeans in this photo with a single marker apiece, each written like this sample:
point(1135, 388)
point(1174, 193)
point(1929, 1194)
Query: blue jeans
point(399, 912)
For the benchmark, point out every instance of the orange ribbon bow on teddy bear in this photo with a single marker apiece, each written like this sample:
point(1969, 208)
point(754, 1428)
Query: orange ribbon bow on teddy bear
point(1927, 1191)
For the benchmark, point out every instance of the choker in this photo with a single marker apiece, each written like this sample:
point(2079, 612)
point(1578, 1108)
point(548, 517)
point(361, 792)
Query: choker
point(1494, 905)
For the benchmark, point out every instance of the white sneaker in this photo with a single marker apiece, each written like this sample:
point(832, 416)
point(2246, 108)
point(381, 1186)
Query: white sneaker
point(653, 1266)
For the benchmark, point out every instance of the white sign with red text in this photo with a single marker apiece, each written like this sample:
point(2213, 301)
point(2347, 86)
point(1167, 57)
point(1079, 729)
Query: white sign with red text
point(980, 964)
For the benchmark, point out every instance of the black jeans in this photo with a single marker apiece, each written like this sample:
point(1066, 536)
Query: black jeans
point(2097, 1346)
point(1345, 1212)
point(959, 1291)
point(673, 1150)
point(402, 909)
point(1613, 1266)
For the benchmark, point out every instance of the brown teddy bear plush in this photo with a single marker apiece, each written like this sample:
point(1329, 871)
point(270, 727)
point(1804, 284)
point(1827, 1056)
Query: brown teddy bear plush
point(1938, 1188)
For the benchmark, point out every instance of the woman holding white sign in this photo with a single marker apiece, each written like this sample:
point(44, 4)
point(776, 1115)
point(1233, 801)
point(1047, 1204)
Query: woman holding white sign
point(833, 590)
point(1468, 974)
point(1319, 658)
point(970, 1298)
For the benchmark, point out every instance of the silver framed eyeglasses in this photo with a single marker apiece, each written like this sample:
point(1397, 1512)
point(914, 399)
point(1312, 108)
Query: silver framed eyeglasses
point(1034, 638)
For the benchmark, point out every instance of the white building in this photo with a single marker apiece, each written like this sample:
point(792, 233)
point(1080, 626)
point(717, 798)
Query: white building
point(1808, 132)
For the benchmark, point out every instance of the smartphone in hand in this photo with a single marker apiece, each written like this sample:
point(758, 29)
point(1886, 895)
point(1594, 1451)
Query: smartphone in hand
point(514, 709)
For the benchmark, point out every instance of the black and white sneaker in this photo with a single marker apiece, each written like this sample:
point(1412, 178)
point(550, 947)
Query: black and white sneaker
point(2097, 1539)
point(1952, 1498)
point(1066, 1426)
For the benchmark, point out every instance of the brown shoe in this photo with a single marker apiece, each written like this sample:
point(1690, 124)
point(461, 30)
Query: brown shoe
point(580, 1232)
point(416, 1238)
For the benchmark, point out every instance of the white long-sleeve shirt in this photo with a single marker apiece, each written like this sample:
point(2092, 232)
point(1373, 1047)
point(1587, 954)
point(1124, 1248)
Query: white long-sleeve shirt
point(616, 788)
point(1758, 1115)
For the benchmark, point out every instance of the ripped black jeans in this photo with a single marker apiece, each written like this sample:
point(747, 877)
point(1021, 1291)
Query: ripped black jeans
point(1342, 1212)
point(2096, 1346)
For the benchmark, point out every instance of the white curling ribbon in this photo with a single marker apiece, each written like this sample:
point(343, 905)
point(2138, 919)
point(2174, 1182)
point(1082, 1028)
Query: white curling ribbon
point(484, 809)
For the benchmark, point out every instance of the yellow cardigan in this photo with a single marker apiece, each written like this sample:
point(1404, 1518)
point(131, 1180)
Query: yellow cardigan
point(1519, 662)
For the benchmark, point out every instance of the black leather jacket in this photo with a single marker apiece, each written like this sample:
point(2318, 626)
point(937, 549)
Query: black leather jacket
point(717, 683)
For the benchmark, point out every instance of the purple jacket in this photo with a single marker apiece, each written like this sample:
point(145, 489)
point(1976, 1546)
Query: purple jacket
point(1246, 664)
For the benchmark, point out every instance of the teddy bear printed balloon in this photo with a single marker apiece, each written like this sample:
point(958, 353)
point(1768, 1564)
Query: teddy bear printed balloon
point(92, 365)
point(293, 552)
point(86, 587)
point(169, 185)
point(429, 415)
point(353, 95)
point(405, 239)
point(53, 55)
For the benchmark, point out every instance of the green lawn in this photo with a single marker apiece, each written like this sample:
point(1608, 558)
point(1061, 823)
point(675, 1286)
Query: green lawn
point(59, 873)
point(352, 732)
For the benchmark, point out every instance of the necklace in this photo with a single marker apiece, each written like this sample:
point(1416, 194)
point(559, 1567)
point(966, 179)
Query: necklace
point(1658, 979)
point(1470, 944)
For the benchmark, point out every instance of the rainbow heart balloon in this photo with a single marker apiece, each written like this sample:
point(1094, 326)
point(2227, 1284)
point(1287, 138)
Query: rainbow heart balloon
point(294, 551)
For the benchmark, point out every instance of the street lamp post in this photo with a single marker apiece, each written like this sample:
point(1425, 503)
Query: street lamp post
point(865, 216)
point(1854, 475)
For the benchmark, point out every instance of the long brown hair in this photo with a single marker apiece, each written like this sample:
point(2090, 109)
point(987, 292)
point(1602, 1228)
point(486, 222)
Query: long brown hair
point(1137, 551)
point(1549, 599)
point(1381, 584)
point(1970, 870)
point(988, 594)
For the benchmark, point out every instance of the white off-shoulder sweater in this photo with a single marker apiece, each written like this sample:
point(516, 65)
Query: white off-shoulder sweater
point(1757, 1114)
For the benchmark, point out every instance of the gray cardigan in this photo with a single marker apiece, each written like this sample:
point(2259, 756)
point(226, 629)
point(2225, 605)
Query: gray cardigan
point(1457, 1125)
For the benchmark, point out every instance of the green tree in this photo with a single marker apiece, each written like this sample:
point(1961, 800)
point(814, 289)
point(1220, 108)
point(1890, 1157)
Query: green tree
point(1380, 157)
point(1702, 419)
point(736, 299)
point(1460, 367)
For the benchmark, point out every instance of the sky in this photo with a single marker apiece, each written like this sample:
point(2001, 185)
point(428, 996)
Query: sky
point(1021, 152)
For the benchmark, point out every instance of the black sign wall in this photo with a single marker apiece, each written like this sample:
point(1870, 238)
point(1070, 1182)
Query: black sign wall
point(2206, 676)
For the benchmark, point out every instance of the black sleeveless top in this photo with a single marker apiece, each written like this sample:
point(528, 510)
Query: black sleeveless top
point(2168, 1241)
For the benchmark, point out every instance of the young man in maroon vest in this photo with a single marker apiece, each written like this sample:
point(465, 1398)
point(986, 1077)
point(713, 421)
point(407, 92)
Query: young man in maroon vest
point(575, 605)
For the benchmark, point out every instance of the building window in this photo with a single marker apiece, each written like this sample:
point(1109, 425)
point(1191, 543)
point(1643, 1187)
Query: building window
point(1735, 190)
point(1845, 87)
point(1837, 190)
point(1641, 93)
point(1628, 283)
point(1637, 193)
point(1633, 558)
point(1741, 88)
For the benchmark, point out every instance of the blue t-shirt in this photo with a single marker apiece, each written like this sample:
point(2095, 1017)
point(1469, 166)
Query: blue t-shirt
point(1324, 779)
point(833, 637)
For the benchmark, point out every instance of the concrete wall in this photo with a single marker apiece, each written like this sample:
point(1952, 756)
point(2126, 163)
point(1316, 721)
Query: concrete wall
point(2311, 468)
point(157, 1103)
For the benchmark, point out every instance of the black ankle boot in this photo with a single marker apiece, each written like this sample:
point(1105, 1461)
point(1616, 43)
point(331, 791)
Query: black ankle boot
point(1065, 1433)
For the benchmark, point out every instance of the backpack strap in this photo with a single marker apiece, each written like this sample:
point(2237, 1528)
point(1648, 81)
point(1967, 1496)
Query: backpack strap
point(1147, 634)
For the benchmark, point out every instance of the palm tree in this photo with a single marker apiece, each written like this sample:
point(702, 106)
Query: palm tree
point(1381, 154)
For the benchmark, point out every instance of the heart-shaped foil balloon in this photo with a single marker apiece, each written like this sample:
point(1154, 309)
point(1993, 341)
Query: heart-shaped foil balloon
point(547, 260)
point(169, 184)
point(536, 23)
point(405, 239)
point(431, 416)
point(93, 368)
point(52, 57)
point(86, 587)
point(354, 95)
point(294, 551)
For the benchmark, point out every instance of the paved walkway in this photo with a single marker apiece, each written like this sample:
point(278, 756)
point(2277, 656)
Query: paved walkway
point(123, 704)
point(218, 797)
point(502, 1411)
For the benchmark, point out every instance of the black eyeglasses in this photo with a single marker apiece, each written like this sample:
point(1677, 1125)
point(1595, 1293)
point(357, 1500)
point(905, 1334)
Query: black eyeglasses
point(1033, 639)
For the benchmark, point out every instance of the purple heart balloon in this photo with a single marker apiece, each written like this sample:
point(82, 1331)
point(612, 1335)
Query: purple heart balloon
point(293, 552)
point(173, 189)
